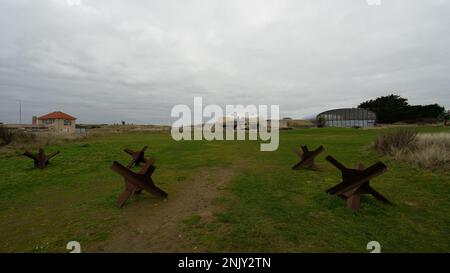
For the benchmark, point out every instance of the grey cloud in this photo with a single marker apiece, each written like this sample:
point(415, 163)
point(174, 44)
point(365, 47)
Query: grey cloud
point(106, 61)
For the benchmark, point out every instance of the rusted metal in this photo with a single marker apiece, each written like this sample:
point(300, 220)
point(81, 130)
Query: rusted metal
point(41, 160)
point(355, 182)
point(137, 157)
point(307, 158)
point(136, 182)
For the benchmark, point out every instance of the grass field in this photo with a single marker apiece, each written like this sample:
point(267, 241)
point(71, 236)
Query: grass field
point(224, 196)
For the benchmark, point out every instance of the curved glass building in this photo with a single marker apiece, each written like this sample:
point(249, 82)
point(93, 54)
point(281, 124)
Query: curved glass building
point(347, 117)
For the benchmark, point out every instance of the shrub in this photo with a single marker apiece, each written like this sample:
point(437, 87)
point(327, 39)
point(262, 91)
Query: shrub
point(424, 150)
point(320, 122)
point(23, 137)
point(401, 139)
point(6, 135)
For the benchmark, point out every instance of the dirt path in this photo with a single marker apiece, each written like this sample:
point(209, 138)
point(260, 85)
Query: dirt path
point(156, 226)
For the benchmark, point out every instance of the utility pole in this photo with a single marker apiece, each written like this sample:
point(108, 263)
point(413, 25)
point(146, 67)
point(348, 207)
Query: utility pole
point(20, 111)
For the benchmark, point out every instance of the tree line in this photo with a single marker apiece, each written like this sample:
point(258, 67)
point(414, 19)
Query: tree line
point(394, 108)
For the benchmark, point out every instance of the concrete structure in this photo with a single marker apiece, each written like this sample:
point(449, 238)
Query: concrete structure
point(252, 123)
point(284, 123)
point(26, 127)
point(57, 122)
point(301, 123)
point(242, 123)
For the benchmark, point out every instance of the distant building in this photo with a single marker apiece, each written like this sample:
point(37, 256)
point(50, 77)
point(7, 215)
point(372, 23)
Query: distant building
point(244, 123)
point(57, 122)
point(252, 123)
point(347, 117)
point(284, 123)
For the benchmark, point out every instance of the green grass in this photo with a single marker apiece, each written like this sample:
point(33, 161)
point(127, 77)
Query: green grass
point(267, 207)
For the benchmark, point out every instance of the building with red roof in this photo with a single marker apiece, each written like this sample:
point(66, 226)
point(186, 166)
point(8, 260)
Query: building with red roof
point(57, 122)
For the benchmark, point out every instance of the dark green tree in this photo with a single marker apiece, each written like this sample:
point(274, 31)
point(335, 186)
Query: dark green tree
point(416, 112)
point(393, 108)
point(388, 109)
point(445, 117)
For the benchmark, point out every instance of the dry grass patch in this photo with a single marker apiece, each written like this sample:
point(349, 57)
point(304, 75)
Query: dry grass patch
point(428, 150)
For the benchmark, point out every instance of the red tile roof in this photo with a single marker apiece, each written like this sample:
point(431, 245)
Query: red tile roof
point(57, 115)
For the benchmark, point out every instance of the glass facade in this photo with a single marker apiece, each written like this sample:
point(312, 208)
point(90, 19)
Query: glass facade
point(347, 117)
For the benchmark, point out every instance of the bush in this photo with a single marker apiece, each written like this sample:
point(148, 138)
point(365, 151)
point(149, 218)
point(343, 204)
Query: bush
point(320, 122)
point(398, 140)
point(6, 135)
point(23, 137)
point(424, 150)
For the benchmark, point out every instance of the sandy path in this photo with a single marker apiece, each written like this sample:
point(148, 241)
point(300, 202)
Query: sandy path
point(156, 225)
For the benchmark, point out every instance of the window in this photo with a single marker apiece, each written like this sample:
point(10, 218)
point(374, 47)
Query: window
point(48, 121)
point(67, 122)
point(347, 117)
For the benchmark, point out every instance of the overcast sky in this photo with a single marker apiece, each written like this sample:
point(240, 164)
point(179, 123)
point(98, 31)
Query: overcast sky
point(107, 61)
